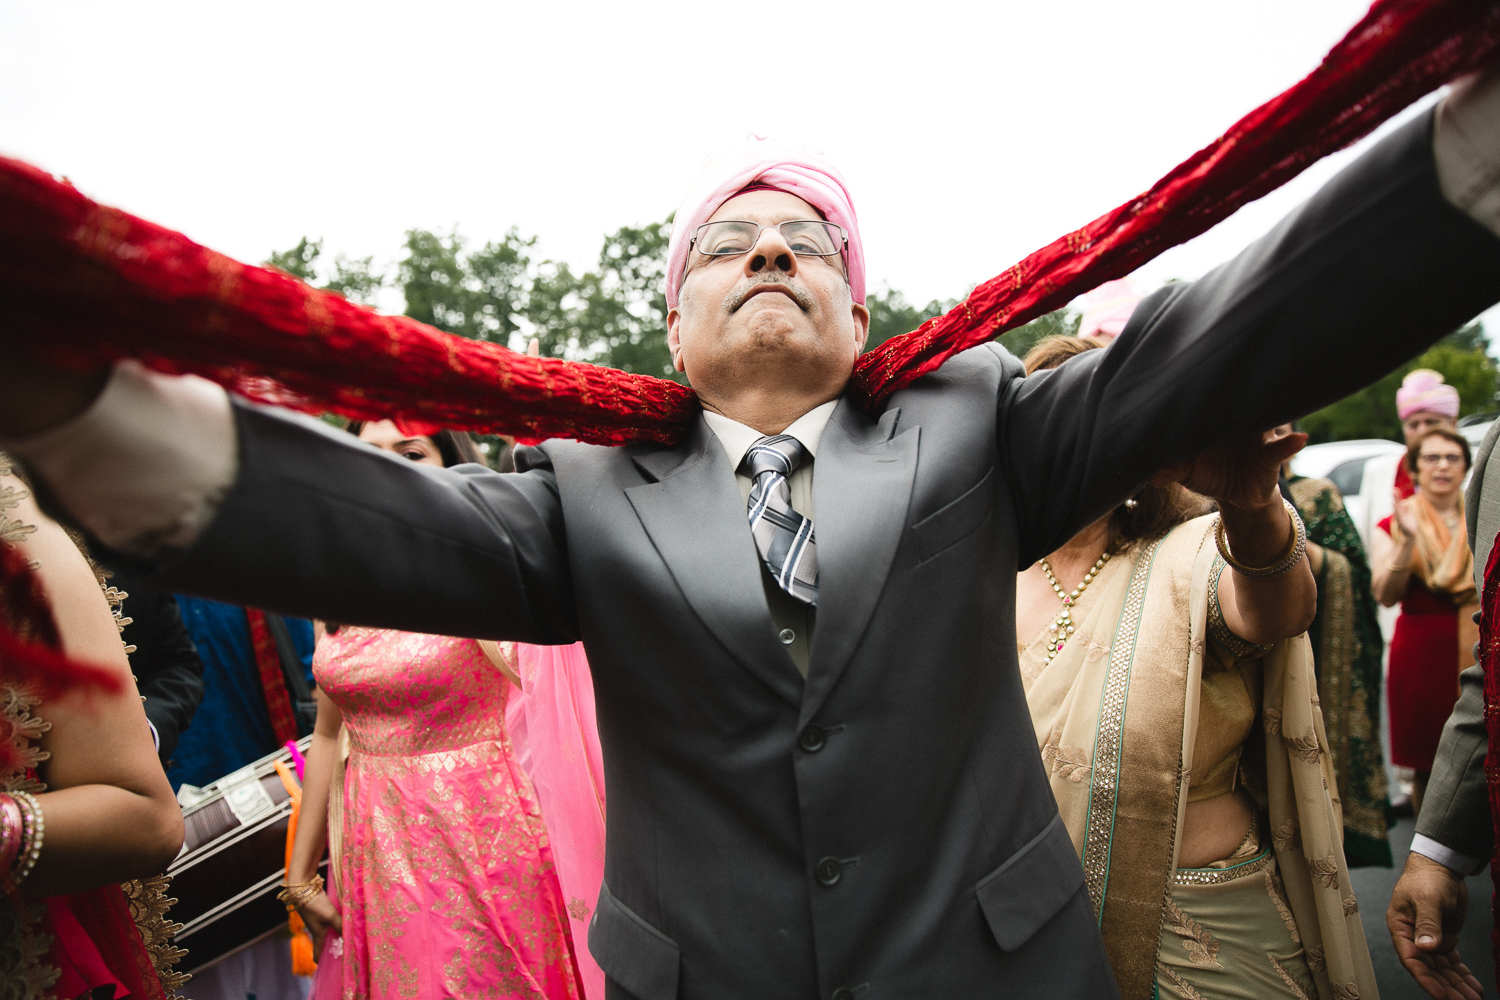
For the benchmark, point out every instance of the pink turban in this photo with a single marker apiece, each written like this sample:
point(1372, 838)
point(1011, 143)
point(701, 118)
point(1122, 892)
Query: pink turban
point(1107, 308)
point(793, 169)
point(1424, 389)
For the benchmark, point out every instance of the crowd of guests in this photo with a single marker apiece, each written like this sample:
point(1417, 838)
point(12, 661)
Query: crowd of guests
point(1215, 669)
point(456, 787)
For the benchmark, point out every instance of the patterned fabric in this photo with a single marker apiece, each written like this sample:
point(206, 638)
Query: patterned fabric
point(1489, 659)
point(1119, 715)
point(553, 728)
point(446, 876)
point(783, 536)
point(82, 280)
point(113, 938)
point(1228, 934)
point(1347, 648)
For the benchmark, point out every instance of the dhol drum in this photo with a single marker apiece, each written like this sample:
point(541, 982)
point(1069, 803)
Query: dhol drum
point(232, 862)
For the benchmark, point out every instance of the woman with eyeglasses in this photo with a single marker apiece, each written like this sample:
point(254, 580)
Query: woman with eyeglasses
point(1420, 557)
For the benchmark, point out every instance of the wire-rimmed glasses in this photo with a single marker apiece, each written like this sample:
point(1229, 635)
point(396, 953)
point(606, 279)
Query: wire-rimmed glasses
point(805, 237)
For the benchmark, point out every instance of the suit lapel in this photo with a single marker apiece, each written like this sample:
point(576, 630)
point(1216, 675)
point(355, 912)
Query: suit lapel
point(862, 482)
point(696, 520)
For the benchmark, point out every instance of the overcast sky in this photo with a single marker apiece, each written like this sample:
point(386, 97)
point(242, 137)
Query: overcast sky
point(970, 134)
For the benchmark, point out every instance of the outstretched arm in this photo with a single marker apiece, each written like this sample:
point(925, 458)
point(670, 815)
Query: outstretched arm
point(259, 507)
point(1391, 255)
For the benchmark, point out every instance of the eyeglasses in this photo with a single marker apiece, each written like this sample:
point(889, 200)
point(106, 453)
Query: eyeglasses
point(1441, 459)
point(805, 237)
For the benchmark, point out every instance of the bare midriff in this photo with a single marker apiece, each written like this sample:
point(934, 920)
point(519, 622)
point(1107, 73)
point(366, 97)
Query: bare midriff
point(1213, 829)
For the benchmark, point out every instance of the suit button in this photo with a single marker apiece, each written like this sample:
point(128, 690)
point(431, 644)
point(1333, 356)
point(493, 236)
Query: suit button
point(787, 637)
point(813, 738)
point(842, 993)
point(829, 871)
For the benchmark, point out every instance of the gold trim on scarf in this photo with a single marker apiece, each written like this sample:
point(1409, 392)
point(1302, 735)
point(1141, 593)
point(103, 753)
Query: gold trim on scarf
point(1104, 787)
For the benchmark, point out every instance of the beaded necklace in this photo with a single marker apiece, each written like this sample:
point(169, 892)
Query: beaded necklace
point(1062, 626)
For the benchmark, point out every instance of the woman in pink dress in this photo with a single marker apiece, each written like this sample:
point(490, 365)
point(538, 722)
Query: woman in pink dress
point(445, 879)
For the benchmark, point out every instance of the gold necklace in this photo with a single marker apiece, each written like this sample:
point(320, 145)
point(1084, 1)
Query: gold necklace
point(1062, 626)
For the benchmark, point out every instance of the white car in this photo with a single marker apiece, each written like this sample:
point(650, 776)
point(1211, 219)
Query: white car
point(1344, 463)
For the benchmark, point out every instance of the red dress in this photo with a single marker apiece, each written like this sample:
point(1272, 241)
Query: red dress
point(1422, 685)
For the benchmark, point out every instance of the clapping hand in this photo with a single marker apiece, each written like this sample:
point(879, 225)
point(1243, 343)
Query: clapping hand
point(1404, 513)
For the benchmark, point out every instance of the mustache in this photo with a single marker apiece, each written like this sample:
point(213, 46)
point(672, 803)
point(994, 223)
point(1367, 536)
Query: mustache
point(741, 295)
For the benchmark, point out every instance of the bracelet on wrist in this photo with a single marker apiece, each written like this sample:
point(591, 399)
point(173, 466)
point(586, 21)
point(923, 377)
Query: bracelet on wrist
point(11, 832)
point(298, 894)
point(1294, 551)
point(33, 830)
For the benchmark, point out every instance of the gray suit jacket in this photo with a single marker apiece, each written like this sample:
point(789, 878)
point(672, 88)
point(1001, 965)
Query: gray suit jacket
point(883, 829)
point(1456, 810)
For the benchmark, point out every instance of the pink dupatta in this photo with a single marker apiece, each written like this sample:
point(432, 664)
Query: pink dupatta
point(551, 726)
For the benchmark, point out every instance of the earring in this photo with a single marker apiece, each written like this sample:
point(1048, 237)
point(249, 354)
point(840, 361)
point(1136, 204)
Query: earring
point(1132, 503)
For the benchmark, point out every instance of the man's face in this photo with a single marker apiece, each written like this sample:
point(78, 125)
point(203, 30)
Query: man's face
point(1422, 421)
point(767, 316)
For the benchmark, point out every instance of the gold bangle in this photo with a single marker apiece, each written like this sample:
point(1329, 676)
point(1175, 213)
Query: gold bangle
point(298, 894)
point(1294, 551)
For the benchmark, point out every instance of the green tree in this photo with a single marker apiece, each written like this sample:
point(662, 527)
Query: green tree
point(354, 278)
point(300, 261)
point(1059, 323)
point(1463, 359)
point(622, 318)
point(891, 315)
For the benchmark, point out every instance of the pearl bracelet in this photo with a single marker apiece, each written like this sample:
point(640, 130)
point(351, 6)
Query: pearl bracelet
point(1283, 565)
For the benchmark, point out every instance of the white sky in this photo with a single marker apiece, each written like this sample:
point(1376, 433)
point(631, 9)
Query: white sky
point(970, 134)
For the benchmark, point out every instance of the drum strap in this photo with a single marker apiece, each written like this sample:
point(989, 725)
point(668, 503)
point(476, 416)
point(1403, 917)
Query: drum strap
point(273, 677)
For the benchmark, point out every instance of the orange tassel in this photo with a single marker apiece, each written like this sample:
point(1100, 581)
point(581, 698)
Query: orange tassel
point(303, 963)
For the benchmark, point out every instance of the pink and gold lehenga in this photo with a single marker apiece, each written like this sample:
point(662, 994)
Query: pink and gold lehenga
point(443, 866)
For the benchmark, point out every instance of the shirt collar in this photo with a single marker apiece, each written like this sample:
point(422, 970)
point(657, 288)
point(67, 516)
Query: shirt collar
point(737, 437)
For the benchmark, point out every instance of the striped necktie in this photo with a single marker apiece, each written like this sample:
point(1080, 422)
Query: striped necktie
point(783, 536)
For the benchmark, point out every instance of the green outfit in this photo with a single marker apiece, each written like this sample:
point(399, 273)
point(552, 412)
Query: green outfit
point(1347, 648)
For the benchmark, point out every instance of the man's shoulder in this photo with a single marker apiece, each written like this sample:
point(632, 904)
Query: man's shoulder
point(978, 372)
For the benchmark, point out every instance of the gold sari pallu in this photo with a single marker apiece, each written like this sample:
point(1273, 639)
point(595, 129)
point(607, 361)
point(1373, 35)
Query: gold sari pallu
point(1116, 716)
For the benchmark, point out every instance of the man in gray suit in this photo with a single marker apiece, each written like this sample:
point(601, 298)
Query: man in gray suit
point(1455, 835)
point(822, 775)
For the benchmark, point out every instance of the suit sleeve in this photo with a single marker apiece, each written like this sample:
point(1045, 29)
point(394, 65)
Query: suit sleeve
point(1456, 808)
point(319, 526)
point(167, 668)
point(1363, 276)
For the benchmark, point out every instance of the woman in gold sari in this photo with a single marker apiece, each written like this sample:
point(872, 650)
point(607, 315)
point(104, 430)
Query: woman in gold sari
point(1178, 721)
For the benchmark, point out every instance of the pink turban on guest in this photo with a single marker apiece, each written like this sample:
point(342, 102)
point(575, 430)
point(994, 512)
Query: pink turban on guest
point(1107, 308)
point(1424, 389)
point(765, 163)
